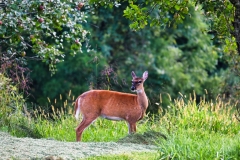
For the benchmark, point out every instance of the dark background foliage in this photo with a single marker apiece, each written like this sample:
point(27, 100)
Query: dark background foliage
point(180, 59)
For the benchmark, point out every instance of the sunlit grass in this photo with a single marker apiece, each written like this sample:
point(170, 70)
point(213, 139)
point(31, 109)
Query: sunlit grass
point(207, 130)
point(196, 144)
point(101, 130)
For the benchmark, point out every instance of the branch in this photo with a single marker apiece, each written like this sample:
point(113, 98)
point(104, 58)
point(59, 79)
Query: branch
point(6, 37)
point(26, 43)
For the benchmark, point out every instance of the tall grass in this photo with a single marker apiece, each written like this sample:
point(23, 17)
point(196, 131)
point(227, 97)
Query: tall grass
point(207, 130)
point(60, 124)
point(11, 103)
point(101, 130)
point(213, 117)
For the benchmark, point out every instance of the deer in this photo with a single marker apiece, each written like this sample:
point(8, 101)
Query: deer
point(112, 105)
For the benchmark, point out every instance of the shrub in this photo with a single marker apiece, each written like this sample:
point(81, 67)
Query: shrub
point(13, 118)
point(11, 102)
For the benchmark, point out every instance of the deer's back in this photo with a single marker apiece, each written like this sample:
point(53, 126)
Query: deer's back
point(109, 103)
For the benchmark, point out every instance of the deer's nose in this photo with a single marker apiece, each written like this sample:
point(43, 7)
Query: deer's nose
point(133, 88)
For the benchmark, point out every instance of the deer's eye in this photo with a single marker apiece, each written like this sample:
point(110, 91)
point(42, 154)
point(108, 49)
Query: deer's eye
point(136, 82)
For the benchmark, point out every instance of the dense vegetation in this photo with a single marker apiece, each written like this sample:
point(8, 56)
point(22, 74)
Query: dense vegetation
point(189, 51)
point(179, 59)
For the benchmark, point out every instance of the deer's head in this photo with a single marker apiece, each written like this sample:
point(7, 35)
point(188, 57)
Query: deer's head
point(137, 82)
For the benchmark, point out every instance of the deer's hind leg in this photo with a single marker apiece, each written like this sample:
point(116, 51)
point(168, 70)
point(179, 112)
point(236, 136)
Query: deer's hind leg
point(86, 121)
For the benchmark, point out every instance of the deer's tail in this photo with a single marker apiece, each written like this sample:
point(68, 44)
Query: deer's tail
point(77, 107)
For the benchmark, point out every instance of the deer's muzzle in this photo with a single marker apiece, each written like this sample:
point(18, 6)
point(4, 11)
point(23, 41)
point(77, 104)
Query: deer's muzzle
point(133, 88)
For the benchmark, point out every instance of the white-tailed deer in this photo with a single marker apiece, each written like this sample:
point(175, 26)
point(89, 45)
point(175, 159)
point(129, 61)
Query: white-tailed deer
point(112, 105)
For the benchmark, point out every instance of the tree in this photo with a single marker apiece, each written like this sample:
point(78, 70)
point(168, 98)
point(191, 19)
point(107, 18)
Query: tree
point(49, 30)
point(179, 58)
point(223, 17)
point(40, 27)
point(76, 74)
point(157, 13)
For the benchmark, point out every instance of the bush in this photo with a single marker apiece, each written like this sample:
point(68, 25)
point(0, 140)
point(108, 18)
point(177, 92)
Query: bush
point(11, 102)
point(12, 115)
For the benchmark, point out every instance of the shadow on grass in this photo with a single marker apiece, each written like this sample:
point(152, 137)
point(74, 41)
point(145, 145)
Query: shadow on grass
point(147, 138)
point(24, 131)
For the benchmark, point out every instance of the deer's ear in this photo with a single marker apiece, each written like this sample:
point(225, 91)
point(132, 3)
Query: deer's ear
point(133, 75)
point(145, 75)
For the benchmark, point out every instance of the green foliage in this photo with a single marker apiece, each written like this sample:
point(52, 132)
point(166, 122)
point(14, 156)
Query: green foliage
point(184, 60)
point(13, 118)
point(50, 30)
point(76, 73)
point(44, 27)
point(11, 102)
point(178, 70)
point(133, 12)
point(219, 13)
point(156, 13)
point(220, 16)
point(179, 59)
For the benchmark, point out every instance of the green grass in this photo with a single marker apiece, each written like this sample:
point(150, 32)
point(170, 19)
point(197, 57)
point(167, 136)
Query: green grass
point(132, 156)
point(190, 144)
point(204, 131)
point(208, 130)
point(101, 130)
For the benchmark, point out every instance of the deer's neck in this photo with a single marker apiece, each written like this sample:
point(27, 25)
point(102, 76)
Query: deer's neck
point(142, 100)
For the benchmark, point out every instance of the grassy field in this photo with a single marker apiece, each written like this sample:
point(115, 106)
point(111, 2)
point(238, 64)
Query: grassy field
point(186, 130)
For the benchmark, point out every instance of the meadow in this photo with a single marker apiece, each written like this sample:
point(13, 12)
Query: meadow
point(185, 130)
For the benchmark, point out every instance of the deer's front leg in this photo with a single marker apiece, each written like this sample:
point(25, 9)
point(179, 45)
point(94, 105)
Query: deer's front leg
point(132, 128)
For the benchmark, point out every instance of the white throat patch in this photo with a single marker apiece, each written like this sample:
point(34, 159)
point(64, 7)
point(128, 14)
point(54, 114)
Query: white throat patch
point(139, 91)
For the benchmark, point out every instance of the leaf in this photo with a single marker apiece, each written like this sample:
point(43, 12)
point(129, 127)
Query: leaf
point(177, 7)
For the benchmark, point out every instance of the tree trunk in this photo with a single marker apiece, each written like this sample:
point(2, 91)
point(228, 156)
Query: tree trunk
point(236, 23)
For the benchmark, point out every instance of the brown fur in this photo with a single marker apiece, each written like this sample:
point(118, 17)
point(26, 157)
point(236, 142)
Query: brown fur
point(112, 105)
